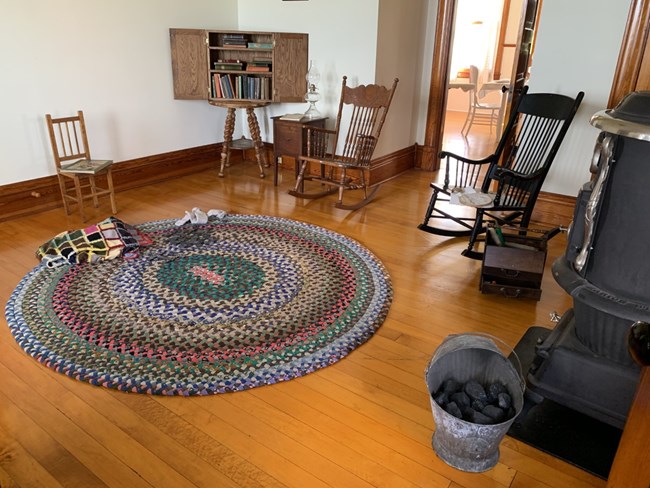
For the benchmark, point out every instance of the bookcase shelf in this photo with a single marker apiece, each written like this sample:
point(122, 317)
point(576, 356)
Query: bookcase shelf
point(239, 65)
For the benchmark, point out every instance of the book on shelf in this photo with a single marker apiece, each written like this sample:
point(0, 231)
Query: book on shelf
point(260, 45)
point(243, 87)
point(229, 65)
point(295, 117)
point(87, 166)
point(259, 69)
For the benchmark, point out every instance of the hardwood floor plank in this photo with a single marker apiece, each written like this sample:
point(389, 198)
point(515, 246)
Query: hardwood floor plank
point(81, 430)
point(322, 432)
point(239, 438)
point(6, 481)
point(62, 465)
point(241, 471)
point(169, 453)
point(374, 424)
point(17, 466)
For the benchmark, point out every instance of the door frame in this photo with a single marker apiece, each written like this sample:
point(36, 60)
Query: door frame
point(434, 129)
point(633, 47)
point(427, 156)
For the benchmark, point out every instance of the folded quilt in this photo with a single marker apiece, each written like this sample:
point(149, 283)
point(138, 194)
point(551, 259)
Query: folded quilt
point(108, 239)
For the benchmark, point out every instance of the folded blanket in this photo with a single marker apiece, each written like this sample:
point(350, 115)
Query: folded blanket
point(108, 239)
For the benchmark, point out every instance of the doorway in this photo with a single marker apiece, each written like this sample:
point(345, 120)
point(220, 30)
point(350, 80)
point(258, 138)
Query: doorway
point(481, 65)
point(441, 76)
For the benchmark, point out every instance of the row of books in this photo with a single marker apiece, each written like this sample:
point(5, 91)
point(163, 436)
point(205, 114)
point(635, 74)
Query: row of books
point(258, 65)
point(241, 87)
point(239, 40)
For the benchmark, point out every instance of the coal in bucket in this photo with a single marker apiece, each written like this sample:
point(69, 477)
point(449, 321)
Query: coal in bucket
point(471, 359)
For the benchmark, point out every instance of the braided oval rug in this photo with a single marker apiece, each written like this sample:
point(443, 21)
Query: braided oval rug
point(240, 302)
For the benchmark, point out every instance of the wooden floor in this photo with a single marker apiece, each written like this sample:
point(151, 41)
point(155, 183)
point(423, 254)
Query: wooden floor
point(480, 140)
point(362, 422)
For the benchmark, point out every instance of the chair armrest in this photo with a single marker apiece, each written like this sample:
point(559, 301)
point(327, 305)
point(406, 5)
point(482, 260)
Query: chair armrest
point(465, 171)
point(501, 173)
point(364, 148)
point(485, 160)
point(318, 139)
point(323, 130)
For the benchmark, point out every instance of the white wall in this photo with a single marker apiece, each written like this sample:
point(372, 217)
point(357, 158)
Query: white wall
point(109, 59)
point(399, 55)
point(342, 41)
point(577, 49)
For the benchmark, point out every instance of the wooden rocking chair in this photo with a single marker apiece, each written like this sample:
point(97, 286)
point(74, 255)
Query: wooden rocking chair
point(364, 110)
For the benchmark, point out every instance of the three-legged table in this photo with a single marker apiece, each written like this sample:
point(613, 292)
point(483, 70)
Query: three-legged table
point(256, 143)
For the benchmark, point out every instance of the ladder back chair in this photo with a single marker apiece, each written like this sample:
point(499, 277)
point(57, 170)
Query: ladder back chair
point(75, 169)
point(349, 146)
point(503, 187)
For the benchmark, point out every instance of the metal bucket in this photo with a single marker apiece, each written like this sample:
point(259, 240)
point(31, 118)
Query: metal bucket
point(465, 445)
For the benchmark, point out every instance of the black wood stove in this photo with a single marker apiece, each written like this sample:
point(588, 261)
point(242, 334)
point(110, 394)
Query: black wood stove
point(584, 363)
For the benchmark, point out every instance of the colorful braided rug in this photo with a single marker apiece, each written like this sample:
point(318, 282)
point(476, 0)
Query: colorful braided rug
point(240, 302)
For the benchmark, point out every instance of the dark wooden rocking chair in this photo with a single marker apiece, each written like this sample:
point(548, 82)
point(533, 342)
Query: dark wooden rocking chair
point(363, 109)
point(511, 177)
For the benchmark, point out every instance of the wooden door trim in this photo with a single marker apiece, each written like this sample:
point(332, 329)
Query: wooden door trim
point(632, 51)
point(438, 89)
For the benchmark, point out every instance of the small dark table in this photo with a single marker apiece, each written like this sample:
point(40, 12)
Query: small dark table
point(290, 139)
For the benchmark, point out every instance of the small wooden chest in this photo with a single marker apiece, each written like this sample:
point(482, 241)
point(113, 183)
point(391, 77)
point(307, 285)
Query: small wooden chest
point(514, 272)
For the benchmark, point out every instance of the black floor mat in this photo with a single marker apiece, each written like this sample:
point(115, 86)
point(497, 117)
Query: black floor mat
point(561, 431)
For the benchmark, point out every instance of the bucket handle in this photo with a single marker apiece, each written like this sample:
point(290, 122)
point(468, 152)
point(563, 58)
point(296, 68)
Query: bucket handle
point(519, 367)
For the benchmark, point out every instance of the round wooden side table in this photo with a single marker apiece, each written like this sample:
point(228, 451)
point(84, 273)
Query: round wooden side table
point(243, 144)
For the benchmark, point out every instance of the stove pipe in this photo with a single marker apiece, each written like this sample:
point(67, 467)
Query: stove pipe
point(584, 363)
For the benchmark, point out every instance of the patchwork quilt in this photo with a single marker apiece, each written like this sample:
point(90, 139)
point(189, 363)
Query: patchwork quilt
point(107, 239)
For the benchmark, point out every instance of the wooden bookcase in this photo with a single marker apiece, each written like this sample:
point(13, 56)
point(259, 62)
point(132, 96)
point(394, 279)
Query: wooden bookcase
point(198, 58)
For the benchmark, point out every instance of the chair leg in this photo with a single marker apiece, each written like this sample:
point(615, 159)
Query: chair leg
point(476, 231)
point(80, 201)
point(64, 192)
point(342, 186)
point(432, 204)
point(468, 122)
point(93, 190)
point(111, 189)
point(300, 181)
point(363, 183)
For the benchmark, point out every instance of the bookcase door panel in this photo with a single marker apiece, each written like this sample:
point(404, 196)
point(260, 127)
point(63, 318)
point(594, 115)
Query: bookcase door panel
point(290, 64)
point(189, 63)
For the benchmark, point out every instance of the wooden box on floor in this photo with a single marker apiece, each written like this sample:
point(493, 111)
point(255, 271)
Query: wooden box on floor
point(515, 268)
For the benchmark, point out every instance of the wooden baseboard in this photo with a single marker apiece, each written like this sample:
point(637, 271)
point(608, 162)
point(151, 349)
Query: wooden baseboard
point(552, 210)
point(391, 165)
point(426, 158)
point(40, 194)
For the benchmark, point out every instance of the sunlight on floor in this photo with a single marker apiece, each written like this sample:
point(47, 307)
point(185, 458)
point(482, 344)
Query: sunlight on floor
point(480, 141)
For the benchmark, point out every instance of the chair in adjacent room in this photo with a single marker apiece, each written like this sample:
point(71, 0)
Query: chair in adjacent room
point(503, 187)
point(76, 171)
point(348, 147)
point(479, 113)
